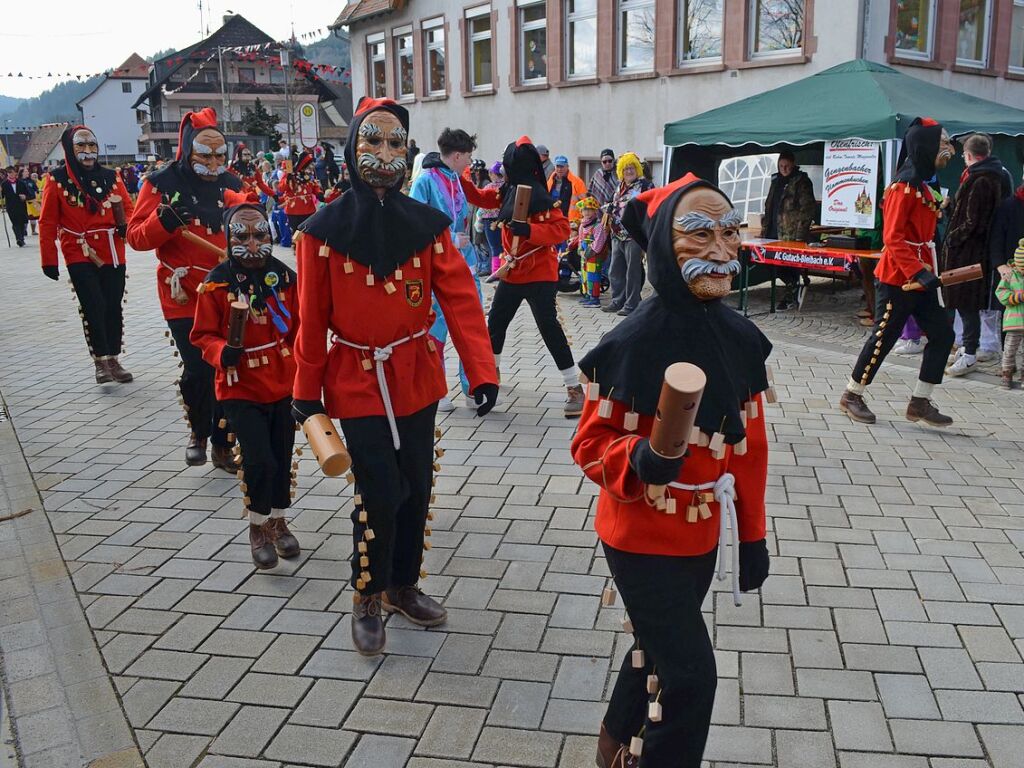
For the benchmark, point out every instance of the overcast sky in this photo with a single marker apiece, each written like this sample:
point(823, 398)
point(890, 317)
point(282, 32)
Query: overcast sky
point(83, 37)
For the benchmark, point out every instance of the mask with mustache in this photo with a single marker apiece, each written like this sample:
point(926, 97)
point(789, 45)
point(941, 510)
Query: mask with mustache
point(381, 150)
point(706, 241)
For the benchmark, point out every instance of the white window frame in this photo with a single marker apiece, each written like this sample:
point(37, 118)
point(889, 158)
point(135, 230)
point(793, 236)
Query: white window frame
point(621, 8)
point(372, 58)
point(753, 13)
point(522, 27)
point(569, 19)
point(986, 52)
point(1018, 68)
point(430, 26)
point(397, 34)
point(681, 59)
point(472, 14)
point(928, 53)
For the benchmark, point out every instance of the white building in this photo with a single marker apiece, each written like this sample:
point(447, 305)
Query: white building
point(108, 110)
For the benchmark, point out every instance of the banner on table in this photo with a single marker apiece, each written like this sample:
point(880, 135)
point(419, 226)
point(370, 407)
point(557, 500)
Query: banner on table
point(850, 184)
point(780, 256)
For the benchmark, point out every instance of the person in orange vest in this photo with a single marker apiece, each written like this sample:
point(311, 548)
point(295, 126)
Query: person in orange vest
point(566, 189)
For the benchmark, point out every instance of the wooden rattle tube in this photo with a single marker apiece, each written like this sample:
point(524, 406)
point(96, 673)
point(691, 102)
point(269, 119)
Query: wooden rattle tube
point(520, 212)
point(329, 450)
point(237, 315)
point(953, 276)
point(678, 404)
point(117, 208)
point(196, 240)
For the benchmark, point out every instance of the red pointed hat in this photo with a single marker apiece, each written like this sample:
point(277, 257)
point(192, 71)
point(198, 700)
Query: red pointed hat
point(639, 217)
point(191, 124)
point(367, 105)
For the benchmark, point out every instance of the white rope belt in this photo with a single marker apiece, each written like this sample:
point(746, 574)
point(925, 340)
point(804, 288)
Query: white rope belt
point(380, 356)
point(724, 491)
point(110, 236)
point(261, 347)
point(177, 273)
point(930, 246)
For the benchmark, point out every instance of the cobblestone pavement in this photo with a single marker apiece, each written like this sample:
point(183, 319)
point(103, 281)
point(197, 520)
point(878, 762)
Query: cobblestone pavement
point(889, 635)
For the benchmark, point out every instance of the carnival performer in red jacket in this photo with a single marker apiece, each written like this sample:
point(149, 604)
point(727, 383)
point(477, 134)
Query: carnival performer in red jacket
point(663, 562)
point(254, 381)
point(190, 195)
point(243, 166)
point(367, 265)
point(534, 274)
point(85, 207)
point(910, 213)
point(299, 191)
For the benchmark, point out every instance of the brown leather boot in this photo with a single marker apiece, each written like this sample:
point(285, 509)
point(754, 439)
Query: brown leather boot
point(921, 409)
point(263, 553)
point(195, 451)
point(103, 375)
point(285, 543)
point(1006, 378)
point(611, 753)
point(853, 405)
point(415, 606)
point(221, 457)
point(573, 402)
point(119, 374)
point(367, 624)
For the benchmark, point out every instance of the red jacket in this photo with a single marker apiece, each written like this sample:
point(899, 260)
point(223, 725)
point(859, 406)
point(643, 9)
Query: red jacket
point(264, 383)
point(253, 185)
point(547, 230)
point(335, 299)
point(146, 233)
point(299, 199)
point(62, 218)
point(624, 518)
point(909, 221)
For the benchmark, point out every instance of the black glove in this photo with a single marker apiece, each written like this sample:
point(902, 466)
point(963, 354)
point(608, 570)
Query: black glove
point(230, 356)
point(519, 229)
point(303, 409)
point(651, 468)
point(173, 217)
point(486, 396)
point(928, 279)
point(52, 272)
point(122, 230)
point(754, 562)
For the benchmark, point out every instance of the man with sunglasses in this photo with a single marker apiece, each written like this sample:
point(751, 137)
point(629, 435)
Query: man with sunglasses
point(605, 181)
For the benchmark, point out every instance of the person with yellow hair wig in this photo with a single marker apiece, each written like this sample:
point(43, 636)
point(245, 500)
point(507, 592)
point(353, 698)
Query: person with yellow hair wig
point(626, 273)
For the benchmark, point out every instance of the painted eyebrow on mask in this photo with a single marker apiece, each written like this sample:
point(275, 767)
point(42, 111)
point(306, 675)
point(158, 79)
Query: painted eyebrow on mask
point(694, 220)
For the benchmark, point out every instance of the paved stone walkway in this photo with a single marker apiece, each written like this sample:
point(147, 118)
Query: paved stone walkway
point(889, 636)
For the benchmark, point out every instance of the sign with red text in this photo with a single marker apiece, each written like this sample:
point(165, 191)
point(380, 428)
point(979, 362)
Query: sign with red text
point(849, 187)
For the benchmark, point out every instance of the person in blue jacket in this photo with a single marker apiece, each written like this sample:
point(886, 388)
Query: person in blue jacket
point(438, 186)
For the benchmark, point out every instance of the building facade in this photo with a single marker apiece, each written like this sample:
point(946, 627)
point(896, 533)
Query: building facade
point(582, 75)
point(109, 110)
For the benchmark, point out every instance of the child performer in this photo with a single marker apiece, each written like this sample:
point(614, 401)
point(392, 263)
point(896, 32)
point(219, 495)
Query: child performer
point(254, 381)
point(1010, 291)
point(591, 242)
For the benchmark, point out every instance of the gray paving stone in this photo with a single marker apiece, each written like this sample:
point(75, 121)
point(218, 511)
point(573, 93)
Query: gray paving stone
point(859, 725)
point(174, 749)
point(398, 718)
point(270, 690)
point(907, 696)
point(451, 732)
point(797, 749)
point(327, 703)
point(199, 716)
point(531, 748)
point(249, 731)
point(519, 705)
point(381, 752)
point(926, 737)
point(317, 746)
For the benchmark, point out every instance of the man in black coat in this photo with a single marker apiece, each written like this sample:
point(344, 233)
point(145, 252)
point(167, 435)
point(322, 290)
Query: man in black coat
point(16, 193)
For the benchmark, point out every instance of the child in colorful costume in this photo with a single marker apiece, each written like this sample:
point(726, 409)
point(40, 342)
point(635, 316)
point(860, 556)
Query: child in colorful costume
point(1010, 292)
point(591, 242)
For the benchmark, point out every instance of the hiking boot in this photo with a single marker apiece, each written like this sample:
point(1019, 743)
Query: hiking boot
point(367, 624)
point(613, 754)
point(263, 554)
point(119, 374)
point(103, 375)
point(573, 402)
point(853, 405)
point(921, 409)
point(1006, 378)
point(284, 541)
point(195, 451)
point(221, 457)
point(415, 606)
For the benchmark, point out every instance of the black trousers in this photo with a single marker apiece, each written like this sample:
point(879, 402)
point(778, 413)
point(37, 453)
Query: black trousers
point(541, 298)
point(266, 434)
point(196, 385)
point(100, 291)
point(972, 328)
point(19, 223)
point(893, 306)
point(663, 595)
point(395, 488)
point(295, 221)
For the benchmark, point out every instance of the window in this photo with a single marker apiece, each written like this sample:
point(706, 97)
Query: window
point(247, 74)
point(778, 26)
point(433, 52)
point(634, 31)
point(533, 43)
point(700, 30)
point(478, 42)
point(277, 75)
point(915, 28)
point(208, 75)
point(580, 38)
point(377, 69)
point(404, 72)
point(1017, 36)
point(126, 86)
point(973, 33)
point(746, 181)
point(141, 117)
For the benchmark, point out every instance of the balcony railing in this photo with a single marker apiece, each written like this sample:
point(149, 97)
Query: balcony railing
point(196, 86)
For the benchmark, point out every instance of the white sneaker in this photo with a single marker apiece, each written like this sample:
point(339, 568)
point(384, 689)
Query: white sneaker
point(988, 355)
point(908, 347)
point(445, 405)
point(963, 364)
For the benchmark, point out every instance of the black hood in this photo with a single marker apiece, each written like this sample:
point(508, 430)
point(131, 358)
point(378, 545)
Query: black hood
point(94, 184)
point(917, 156)
point(381, 234)
point(523, 166)
point(674, 326)
point(433, 160)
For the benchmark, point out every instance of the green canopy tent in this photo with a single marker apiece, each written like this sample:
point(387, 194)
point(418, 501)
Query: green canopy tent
point(858, 99)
